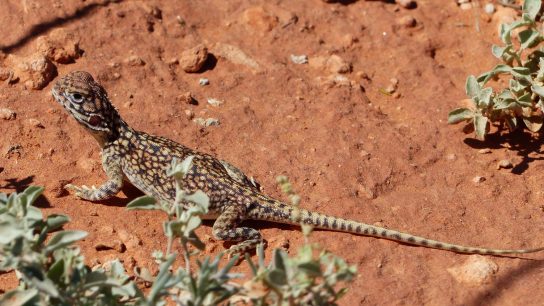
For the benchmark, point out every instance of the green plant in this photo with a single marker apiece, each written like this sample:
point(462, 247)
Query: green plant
point(52, 272)
point(523, 99)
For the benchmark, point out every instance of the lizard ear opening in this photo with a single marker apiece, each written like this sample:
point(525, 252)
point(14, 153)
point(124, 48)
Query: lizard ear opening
point(95, 120)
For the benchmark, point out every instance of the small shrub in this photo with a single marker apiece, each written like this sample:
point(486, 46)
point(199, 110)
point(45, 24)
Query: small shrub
point(524, 65)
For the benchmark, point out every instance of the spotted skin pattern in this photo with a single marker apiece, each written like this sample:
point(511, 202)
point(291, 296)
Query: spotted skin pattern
point(143, 159)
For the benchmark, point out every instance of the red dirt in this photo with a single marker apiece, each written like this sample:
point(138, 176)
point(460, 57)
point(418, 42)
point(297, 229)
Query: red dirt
point(367, 156)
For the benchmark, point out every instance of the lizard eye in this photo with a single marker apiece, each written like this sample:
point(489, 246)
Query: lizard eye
point(77, 97)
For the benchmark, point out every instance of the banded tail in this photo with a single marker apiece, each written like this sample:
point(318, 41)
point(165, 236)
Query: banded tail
point(271, 210)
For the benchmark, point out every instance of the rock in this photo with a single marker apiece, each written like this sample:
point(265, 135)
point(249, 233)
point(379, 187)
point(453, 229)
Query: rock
point(489, 8)
point(484, 151)
point(451, 156)
point(203, 82)
point(35, 123)
point(193, 59)
point(466, 6)
point(333, 64)
point(111, 245)
point(59, 46)
point(407, 21)
point(6, 74)
point(129, 240)
point(259, 20)
point(189, 114)
point(234, 55)
point(407, 4)
point(206, 122)
point(134, 60)
point(478, 179)
point(35, 71)
point(299, 59)
point(476, 270)
point(504, 164)
point(336, 64)
point(7, 114)
point(214, 102)
point(187, 98)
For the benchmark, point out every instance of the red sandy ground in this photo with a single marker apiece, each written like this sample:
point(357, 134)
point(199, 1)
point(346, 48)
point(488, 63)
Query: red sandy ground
point(375, 158)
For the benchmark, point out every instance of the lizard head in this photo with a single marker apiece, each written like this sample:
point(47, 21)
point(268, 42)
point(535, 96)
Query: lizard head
point(88, 103)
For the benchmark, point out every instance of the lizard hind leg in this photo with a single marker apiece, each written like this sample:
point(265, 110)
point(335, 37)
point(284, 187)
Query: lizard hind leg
point(226, 228)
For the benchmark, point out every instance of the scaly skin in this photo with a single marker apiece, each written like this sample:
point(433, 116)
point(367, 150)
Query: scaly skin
point(143, 159)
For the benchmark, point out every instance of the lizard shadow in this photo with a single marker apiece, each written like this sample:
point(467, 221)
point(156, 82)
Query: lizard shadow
point(43, 27)
point(502, 284)
point(18, 184)
point(519, 141)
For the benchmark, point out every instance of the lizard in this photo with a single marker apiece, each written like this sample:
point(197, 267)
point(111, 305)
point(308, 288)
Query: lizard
point(142, 159)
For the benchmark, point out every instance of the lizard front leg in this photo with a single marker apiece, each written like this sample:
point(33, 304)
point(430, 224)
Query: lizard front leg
point(108, 189)
point(226, 228)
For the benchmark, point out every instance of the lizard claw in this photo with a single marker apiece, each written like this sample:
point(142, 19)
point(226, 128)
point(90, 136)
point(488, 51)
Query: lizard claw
point(82, 191)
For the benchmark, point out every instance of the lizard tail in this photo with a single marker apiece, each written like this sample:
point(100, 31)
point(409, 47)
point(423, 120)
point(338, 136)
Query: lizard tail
point(282, 213)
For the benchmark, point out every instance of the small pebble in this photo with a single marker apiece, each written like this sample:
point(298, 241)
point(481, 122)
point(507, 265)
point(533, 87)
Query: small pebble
point(484, 151)
point(187, 98)
point(204, 82)
point(35, 123)
point(478, 179)
point(206, 122)
point(214, 102)
point(190, 114)
point(407, 4)
point(299, 59)
point(476, 270)
point(465, 6)
point(7, 114)
point(504, 164)
point(192, 60)
point(489, 8)
point(407, 21)
point(134, 60)
point(451, 156)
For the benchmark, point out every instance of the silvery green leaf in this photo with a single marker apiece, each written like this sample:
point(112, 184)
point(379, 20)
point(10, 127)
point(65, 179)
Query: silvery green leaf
point(63, 239)
point(501, 68)
point(532, 120)
point(277, 277)
point(480, 126)
point(55, 221)
point(539, 90)
point(529, 38)
point(143, 202)
point(485, 96)
point(9, 231)
point(199, 198)
point(279, 259)
point(497, 51)
point(531, 8)
point(46, 286)
point(472, 87)
point(192, 224)
point(19, 297)
point(311, 268)
point(33, 192)
point(180, 168)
